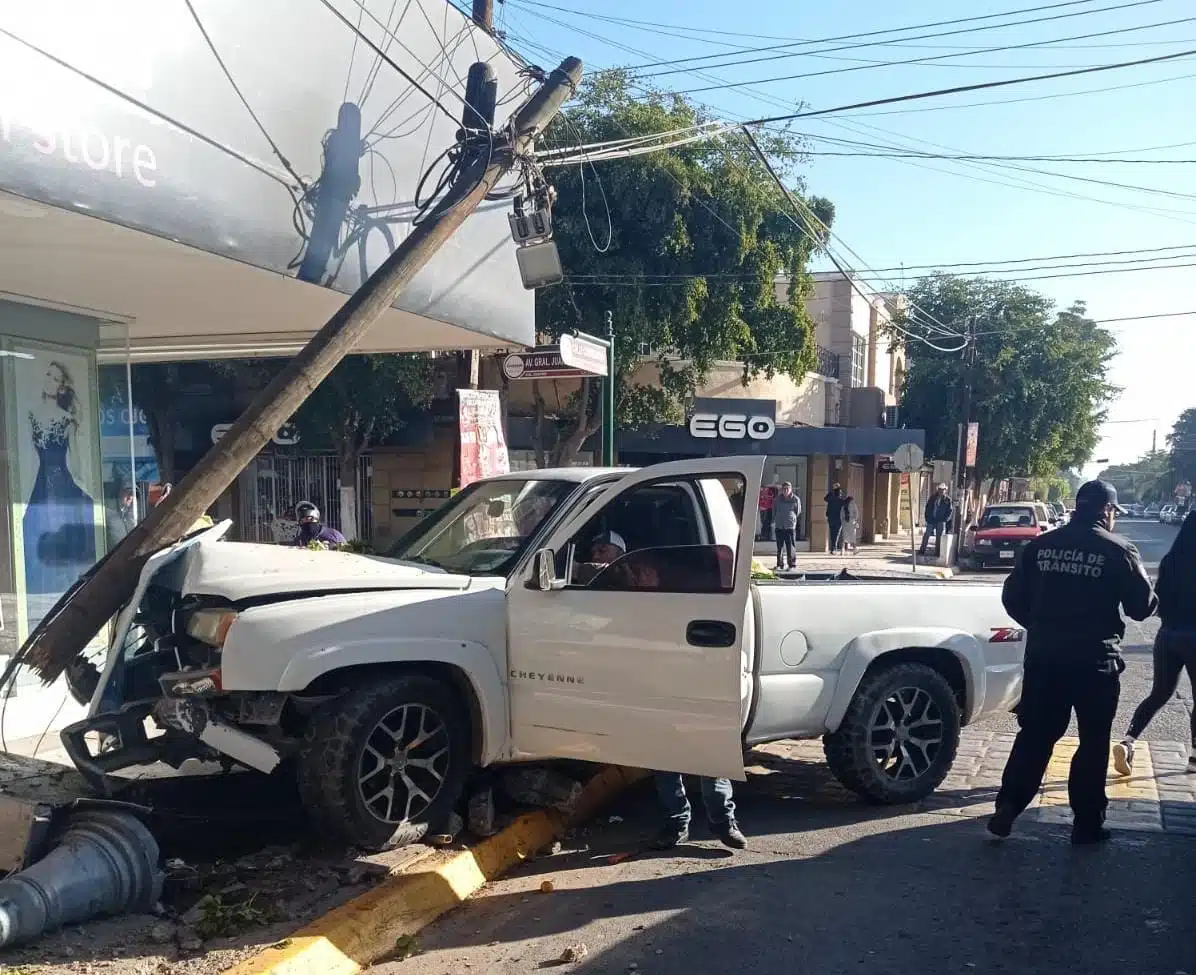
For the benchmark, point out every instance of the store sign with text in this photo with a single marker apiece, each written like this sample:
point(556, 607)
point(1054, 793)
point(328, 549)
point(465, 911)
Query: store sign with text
point(731, 426)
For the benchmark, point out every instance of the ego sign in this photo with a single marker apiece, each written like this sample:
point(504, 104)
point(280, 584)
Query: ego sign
point(731, 426)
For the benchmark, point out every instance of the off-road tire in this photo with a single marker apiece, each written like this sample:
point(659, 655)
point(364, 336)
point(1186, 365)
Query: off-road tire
point(848, 749)
point(332, 749)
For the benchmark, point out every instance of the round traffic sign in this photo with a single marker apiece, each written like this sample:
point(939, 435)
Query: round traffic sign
point(513, 366)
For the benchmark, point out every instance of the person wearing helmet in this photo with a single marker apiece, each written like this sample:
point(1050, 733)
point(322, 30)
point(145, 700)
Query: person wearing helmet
point(312, 530)
point(1069, 589)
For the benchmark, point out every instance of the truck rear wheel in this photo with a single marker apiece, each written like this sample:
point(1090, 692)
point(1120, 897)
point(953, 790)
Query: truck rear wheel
point(899, 737)
point(384, 764)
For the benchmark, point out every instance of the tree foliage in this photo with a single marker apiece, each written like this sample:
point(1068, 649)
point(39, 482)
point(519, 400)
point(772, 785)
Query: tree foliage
point(687, 264)
point(1181, 444)
point(1040, 377)
point(1146, 479)
point(363, 401)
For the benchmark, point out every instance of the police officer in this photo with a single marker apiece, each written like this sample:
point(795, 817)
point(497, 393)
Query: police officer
point(1068, 590)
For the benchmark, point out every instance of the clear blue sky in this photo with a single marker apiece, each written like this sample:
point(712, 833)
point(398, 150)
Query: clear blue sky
point(895, 212)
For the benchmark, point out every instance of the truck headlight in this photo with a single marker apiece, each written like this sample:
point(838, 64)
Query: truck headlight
point(210, 626)
point(984, 543)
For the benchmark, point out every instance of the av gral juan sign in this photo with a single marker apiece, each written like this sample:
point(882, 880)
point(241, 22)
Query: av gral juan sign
point(731, 426)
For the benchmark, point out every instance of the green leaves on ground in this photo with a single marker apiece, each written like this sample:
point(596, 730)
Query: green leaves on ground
point(1040, 380)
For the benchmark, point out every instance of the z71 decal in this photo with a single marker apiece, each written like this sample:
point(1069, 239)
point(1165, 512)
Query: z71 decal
point(1007, 634)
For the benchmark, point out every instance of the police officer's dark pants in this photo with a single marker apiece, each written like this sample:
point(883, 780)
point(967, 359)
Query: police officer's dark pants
point(1050, 692)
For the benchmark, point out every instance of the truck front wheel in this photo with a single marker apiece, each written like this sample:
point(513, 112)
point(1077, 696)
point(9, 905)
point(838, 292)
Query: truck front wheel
point(899, 737)
point(384, 763)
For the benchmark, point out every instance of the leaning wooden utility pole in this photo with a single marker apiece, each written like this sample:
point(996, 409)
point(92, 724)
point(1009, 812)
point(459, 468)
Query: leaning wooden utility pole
point(72, 625)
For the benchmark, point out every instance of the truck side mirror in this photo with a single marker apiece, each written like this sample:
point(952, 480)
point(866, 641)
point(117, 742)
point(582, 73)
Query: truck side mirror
point(973, 528)
point(544, 568)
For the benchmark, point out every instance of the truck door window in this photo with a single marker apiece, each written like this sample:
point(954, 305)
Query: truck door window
point(655, 537)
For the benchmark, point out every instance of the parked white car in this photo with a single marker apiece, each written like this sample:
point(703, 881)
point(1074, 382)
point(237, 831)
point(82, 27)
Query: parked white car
point(495, 633)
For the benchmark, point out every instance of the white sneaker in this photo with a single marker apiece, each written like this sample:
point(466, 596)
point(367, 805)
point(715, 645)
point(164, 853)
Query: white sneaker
point(1123, 757)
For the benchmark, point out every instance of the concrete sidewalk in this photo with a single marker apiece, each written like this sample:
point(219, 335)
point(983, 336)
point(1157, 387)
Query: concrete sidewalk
point(890, 557)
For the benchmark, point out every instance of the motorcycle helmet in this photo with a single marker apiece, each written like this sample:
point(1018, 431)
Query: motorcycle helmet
point(307, 513)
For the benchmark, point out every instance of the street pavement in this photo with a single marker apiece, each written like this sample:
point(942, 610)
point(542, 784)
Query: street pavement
point(833, 886)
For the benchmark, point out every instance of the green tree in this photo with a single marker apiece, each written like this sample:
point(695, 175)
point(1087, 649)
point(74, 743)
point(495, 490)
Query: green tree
point(697, 237)
point(1146, 479)
point(362, 402)
point(1181, 444)
point(1039, 379)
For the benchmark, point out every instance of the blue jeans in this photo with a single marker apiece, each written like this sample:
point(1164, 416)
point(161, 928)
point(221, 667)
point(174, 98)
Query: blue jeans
point(936, 529)
point(716, 797)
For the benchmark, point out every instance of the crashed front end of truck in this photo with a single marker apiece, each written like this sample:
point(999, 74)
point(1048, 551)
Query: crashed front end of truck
point(159, 698)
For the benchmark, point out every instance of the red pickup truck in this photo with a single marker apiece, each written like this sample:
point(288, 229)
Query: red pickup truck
point(1002, 532)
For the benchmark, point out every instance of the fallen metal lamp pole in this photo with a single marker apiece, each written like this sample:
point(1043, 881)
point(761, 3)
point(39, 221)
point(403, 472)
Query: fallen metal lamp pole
point(104, 863)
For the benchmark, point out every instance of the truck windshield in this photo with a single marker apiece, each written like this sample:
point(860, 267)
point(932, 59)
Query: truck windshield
point(486, 528)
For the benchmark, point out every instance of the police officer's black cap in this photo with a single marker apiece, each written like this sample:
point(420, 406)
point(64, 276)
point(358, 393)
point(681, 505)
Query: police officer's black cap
point(1098, 495)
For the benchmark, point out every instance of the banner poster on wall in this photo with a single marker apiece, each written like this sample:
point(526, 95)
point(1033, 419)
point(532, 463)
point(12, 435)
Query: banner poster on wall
point(483, 445)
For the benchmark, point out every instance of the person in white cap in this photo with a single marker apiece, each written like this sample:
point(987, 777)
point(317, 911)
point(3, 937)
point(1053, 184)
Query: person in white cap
point(939, 512)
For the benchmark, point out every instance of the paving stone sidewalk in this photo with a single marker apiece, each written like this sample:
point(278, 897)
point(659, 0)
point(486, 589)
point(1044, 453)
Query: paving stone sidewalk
point(1159, 797)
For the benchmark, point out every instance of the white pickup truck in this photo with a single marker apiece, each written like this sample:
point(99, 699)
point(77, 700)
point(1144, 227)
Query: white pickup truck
point(494, 633)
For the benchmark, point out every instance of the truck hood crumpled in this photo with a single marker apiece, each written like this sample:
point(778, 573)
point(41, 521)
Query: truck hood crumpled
point(239, 571)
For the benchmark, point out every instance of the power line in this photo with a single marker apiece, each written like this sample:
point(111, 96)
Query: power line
point(951, 157)
point(930, 58)
point(959, 89)
point(789, 47)
point(149, 109)
point(388, 59)
point(286, 163)
point(1036, 260)
point(654, 26)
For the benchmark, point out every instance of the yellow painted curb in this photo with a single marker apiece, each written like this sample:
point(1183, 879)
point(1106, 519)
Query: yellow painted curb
point(367, 928)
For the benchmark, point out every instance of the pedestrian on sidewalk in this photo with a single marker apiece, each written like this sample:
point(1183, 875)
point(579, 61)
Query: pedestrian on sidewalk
point(718, 800)
point(834, 515)
point(939, 512)
point(1174, 645)
point(768, 494)
point(849, 533)
point(786, 513)
point(1068, 589)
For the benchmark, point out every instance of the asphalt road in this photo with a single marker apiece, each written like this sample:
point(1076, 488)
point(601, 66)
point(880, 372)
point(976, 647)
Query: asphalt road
point(1172, 723)
point(837, 889)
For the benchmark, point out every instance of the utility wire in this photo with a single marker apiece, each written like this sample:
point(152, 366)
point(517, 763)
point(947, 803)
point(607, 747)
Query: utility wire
point(388, 59)
point(791, 46)
point(149, 109)
point(803, 225)
point(1025, 45)
point(286, 163)
point(700, 33)
point(981, 86)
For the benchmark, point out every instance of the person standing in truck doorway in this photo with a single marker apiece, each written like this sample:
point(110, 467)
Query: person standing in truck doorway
point(1069, 589)
point(786, 514)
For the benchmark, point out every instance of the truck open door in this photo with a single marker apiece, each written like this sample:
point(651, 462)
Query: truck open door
point(637, 658)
